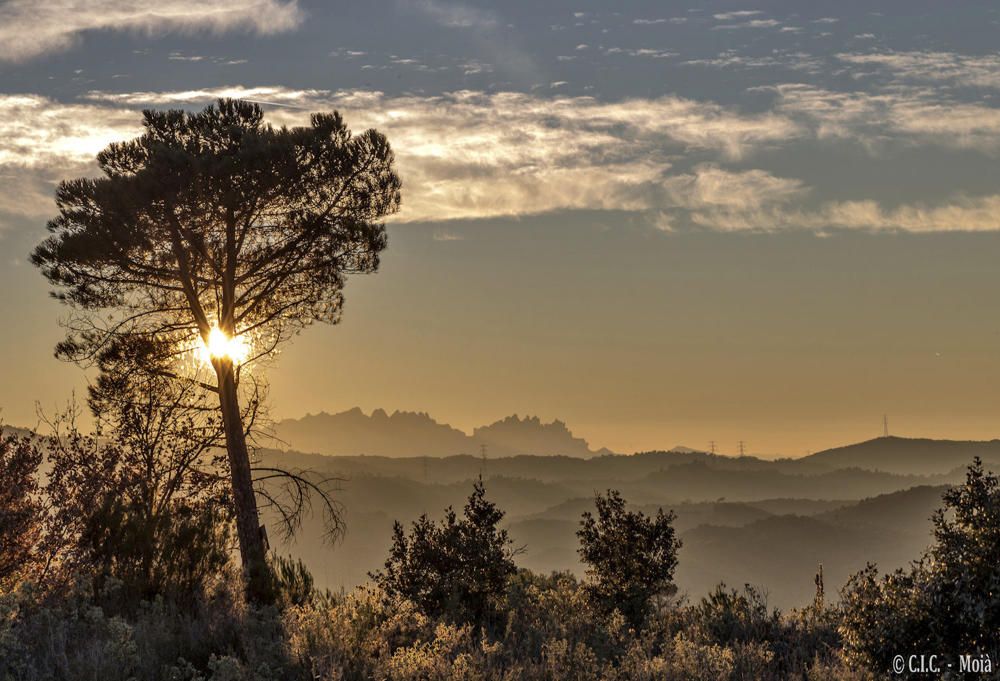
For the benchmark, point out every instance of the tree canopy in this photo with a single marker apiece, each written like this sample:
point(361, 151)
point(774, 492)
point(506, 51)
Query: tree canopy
point(219, 218)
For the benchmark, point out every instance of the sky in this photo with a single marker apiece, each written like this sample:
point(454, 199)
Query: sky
point(665, 223)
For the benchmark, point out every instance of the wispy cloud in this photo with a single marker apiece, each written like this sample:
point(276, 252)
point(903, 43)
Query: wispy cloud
point(899, 115)
point(43, 141)
point(741, 14)
point(959, 214)
point(29, 28)
point(757, 201)
point(462, 155)
point(37, 132)
point(753, 23)
point(641, 52)
point(453, 14)
point(981, 71)
point(278, 95)
point(778, 59)
point(469, 155)
point(486, 29)
point(710, 187)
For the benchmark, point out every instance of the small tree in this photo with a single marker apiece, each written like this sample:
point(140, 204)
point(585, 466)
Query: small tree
point(948, 600)
point(145, 501)
point(630, 557)
point(458, 568)
point(21, 509)
point(217, 228)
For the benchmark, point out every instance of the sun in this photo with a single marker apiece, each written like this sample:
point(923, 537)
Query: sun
point(220, 345)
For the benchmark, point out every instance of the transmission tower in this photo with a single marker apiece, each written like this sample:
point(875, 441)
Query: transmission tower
point(742, 448)
point(885, 425)
point(711, 446)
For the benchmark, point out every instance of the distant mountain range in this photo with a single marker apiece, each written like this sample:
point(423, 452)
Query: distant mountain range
point(417, 434)
point(407, 433)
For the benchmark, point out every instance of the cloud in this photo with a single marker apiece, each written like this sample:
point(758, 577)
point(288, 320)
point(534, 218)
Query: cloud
point(729, 16)
point(453, 14)
point(277, 95)
point(757, 201)
point(641, 52)
point(461, 155)
point(634, 123)
point(468, 154)
point(753, 23)
point(710, 187)
point(980, 71)
point(960, 214)
point(29, 28)
point(778, 59)
point(42, 141)
point(907, 115)
point(489, 38)
point(36, 132)
point(471, 155)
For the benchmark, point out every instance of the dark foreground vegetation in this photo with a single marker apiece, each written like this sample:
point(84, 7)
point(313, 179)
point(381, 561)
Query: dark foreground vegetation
point(116, 562)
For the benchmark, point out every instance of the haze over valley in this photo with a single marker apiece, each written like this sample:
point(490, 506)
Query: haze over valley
point(741, 519)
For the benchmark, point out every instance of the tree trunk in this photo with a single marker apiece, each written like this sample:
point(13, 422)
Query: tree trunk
point(252, 549)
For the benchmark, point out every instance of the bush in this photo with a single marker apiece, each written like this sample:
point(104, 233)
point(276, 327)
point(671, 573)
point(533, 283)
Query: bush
point(630, 557)
point(457, 569)
point(70, 637)
point(763, 643)
point(126, 514)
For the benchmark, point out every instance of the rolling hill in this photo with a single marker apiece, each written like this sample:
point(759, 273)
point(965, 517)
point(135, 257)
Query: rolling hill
point(906, 456)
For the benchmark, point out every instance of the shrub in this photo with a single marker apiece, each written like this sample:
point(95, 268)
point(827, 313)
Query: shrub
point(630, 557)
point(458, 568)
point(126, 513)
